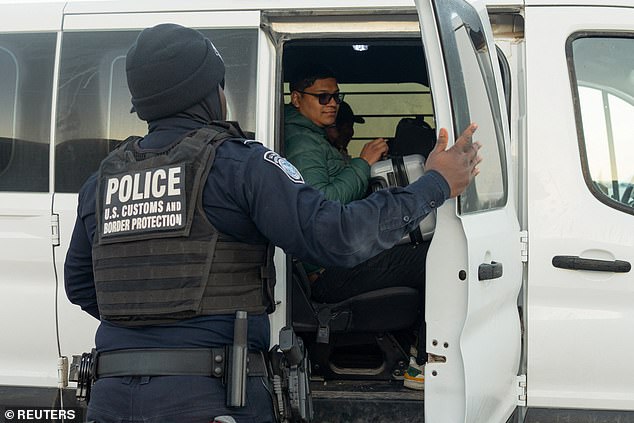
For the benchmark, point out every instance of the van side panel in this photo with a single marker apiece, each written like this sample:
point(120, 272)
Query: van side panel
point(580, 323)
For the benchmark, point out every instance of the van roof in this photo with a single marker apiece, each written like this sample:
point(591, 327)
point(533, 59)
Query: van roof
point(105, 6)
point(110, 6)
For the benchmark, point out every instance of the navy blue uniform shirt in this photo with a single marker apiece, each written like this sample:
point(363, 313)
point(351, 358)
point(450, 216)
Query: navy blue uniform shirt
point(253, 195)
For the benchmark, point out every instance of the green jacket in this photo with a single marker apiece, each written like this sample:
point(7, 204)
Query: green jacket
point(321, 164)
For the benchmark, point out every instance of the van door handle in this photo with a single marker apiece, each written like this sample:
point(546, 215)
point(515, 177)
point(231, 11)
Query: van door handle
point(578, 263)
point(488, 271)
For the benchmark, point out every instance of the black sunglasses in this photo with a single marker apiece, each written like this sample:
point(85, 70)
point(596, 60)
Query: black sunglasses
point(324, 98)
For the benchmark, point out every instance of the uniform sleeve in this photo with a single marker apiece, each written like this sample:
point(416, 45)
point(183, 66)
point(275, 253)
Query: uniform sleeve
point(78, 276)
point(351, 183)
point(300, 220)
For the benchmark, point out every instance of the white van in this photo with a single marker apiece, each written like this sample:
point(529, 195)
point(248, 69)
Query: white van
point(530, 293)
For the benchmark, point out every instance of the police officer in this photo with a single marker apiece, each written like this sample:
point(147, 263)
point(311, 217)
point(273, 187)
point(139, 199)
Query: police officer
point(172, 237)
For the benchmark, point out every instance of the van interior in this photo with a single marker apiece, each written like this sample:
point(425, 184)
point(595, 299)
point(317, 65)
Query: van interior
point(359, 348)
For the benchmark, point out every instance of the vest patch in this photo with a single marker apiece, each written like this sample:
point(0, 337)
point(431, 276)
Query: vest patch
point(152, 200)
point(286, 166)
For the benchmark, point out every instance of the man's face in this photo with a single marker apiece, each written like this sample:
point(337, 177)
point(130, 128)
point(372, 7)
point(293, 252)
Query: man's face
point(308, 105)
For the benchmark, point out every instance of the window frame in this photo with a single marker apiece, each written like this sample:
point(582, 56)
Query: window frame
point(460, 105)
point(576, 99)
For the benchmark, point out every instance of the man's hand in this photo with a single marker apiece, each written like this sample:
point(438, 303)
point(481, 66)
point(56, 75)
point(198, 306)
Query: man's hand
point(374, 151)
point(458, 164)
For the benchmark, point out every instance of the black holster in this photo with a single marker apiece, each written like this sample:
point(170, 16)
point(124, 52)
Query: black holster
point(289, 373)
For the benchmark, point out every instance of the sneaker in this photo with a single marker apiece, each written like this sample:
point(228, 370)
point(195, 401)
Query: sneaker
point(414, 377)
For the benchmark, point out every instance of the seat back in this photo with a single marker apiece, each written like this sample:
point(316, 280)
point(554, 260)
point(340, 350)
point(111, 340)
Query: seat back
point(412, 136)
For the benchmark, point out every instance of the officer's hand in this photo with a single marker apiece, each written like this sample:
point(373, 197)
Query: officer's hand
point(458, 164)
point(374, 151)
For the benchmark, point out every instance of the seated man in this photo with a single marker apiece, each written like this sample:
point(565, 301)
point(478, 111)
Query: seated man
point(306, 144)
point(315, 101)
point(342, 131)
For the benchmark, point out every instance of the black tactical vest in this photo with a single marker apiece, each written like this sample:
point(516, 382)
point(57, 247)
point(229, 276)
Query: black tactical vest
point(156, 256)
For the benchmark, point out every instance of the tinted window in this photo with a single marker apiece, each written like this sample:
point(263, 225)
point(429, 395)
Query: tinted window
point(26, 86)
point(93, 113)
point(602, 71)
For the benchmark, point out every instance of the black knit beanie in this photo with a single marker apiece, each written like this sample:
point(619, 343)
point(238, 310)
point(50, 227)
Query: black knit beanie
point(170, 68)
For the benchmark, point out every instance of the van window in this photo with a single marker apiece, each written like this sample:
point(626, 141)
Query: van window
point(474, 98)
point(26, 87)
point(93, 113)
point(602, 78)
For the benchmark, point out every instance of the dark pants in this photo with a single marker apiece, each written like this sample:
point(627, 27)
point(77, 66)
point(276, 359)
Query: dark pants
point(402, 265)
point(179, 399)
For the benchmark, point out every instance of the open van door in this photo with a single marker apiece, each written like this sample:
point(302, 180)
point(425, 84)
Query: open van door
point(474, 264)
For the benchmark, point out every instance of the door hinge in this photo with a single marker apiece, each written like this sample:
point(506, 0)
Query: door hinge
point(521, 390)
point(55, 229)
point(524, 246)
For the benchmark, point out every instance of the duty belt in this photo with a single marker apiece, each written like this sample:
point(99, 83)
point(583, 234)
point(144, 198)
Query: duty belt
point(171, 362)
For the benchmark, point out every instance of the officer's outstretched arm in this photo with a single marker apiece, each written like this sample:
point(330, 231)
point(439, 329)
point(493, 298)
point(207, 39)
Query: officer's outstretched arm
point(299, 219)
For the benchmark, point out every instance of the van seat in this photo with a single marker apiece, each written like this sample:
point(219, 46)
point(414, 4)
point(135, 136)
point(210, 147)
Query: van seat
point(367, 320)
